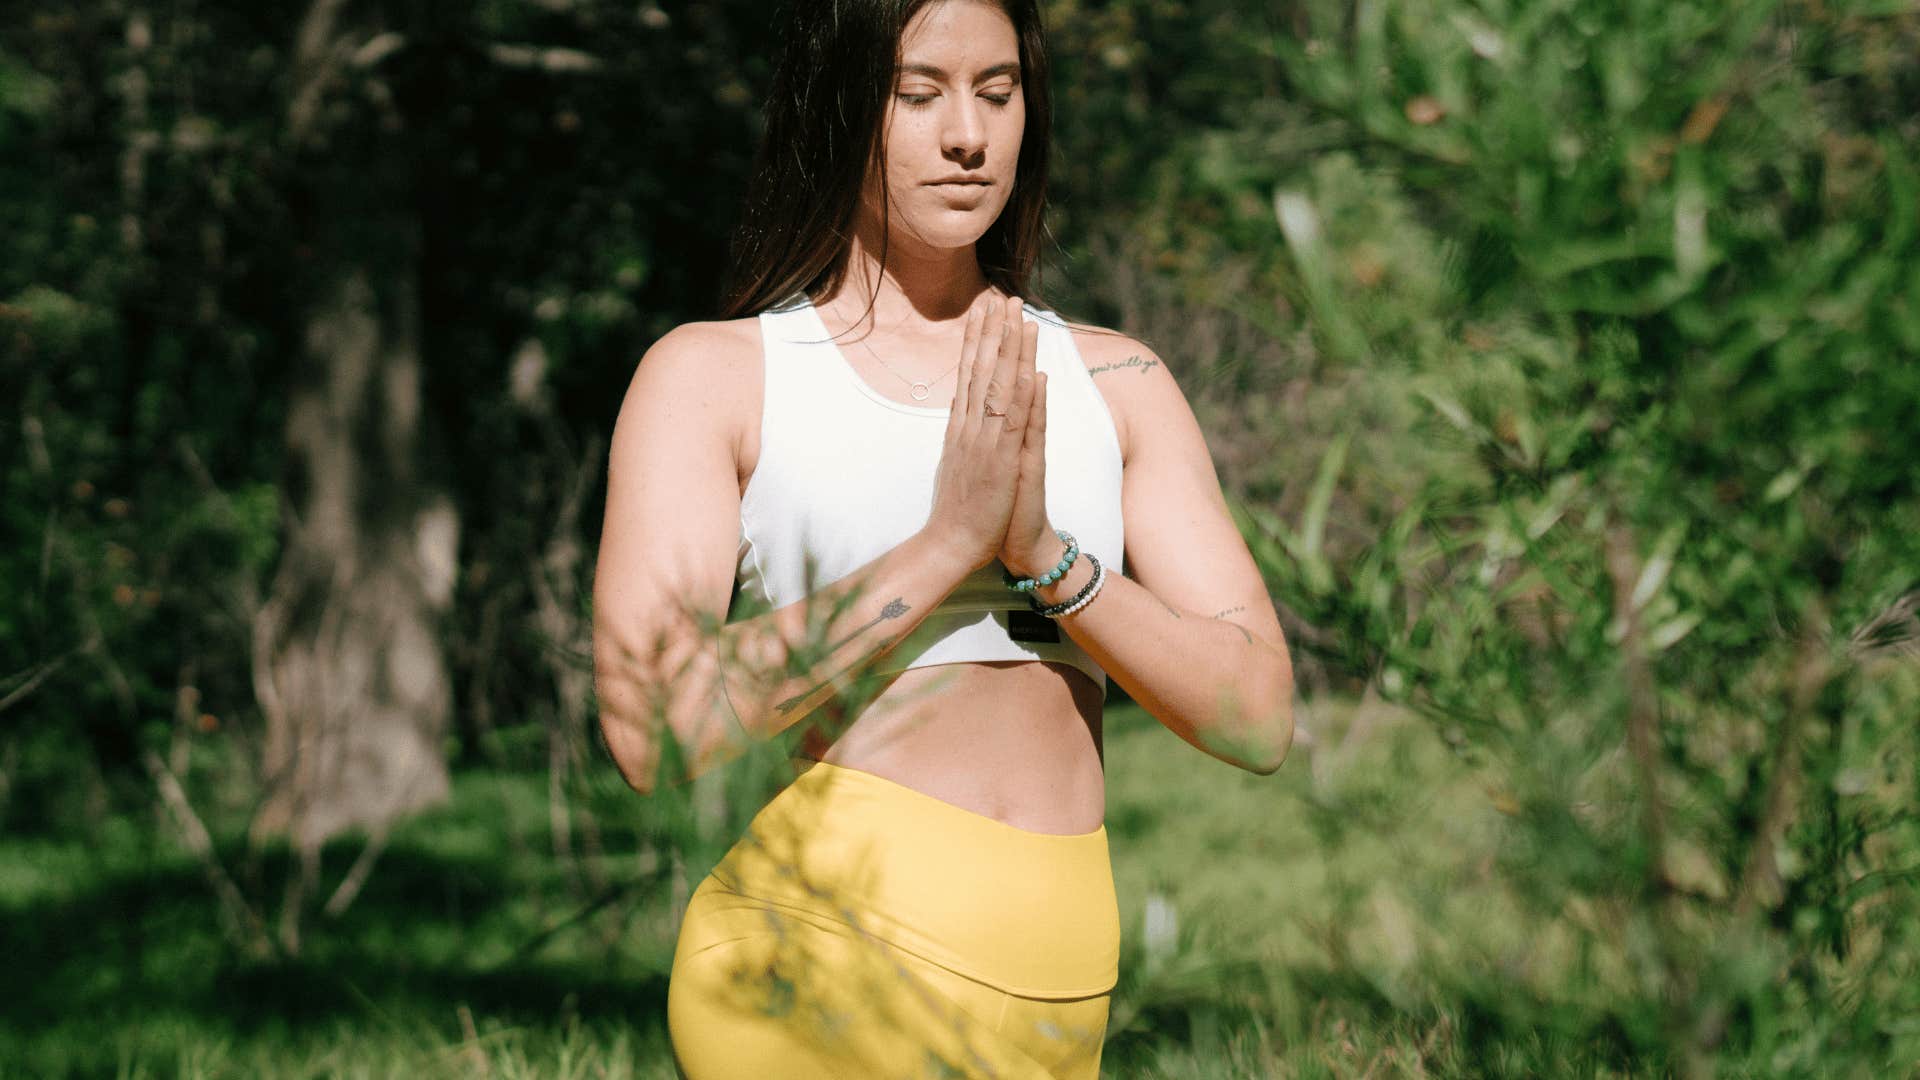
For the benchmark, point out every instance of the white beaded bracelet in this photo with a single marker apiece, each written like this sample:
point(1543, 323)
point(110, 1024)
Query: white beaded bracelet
point(1086, 596)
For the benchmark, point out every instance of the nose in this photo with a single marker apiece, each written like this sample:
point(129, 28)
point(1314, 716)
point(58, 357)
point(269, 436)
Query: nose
point(964, 137)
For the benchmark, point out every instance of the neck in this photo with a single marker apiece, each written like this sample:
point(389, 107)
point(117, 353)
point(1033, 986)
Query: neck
point(917, 283)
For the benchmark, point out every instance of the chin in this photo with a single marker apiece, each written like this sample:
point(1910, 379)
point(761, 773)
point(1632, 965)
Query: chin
point(944, 228)
point(950, 238)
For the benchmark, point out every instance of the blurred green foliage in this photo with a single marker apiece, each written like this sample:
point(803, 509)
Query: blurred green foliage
point(1654, 276)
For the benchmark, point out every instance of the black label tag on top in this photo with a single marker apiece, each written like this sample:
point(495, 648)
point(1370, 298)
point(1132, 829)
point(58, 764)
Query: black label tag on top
point(1030, 625)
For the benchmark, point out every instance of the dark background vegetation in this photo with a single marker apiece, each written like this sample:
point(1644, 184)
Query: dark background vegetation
point(1561, 363)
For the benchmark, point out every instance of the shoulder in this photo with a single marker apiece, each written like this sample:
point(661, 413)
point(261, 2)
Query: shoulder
point(718, 344)
point(701, 373)
point(1131, 377)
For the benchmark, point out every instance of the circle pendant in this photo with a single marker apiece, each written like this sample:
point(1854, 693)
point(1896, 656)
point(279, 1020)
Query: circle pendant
point(920, 391)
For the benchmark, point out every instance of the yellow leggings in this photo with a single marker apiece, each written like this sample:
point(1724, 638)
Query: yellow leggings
point(861, 928)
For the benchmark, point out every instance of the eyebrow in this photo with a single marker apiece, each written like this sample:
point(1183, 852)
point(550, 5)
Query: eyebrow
point(1011, 68)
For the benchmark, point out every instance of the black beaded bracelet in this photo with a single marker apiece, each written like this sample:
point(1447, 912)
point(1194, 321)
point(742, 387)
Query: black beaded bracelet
point(1068, 607)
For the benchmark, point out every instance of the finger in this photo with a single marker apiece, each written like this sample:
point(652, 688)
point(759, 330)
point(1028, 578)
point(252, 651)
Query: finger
point(1035, 446)
point(1033, 451)
point(1006, 361)
point(1030, 347)
point(992, 352)
point(1031, 351)
point(1025, 383)
point(976, 382)
point(963, 374)
point(1016, 416)
point(981, 392)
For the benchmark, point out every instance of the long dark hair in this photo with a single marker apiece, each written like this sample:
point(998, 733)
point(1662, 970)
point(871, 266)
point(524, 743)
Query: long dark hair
point(829, 96)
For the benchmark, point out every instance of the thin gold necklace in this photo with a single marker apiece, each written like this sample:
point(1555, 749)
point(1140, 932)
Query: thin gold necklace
point(919, 390)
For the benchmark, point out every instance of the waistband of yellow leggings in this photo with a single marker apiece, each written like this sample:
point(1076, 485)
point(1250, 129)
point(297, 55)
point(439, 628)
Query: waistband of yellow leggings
point(1032, 914)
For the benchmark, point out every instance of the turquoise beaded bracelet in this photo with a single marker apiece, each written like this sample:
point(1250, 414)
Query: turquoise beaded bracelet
point(1051, 576)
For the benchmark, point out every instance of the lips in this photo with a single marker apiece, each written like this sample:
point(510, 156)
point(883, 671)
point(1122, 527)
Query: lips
point(961, 196)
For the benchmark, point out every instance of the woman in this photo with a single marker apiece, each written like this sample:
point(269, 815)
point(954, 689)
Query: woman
point(923, 485)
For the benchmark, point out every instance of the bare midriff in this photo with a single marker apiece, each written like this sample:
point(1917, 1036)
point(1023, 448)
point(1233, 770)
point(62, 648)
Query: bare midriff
point(1016, 741)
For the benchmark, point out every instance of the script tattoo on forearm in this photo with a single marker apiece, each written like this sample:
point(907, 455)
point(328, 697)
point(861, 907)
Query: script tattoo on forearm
point(1222, 616)
point(894, 609)
point(1133, 361)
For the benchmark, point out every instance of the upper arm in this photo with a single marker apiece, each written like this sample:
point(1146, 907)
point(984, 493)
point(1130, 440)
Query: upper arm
point(671, 532)
point(1181, 541)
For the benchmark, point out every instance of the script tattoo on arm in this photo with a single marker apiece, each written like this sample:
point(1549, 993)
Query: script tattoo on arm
point(894, 609)
point(1133, 361)
point(1222, 616)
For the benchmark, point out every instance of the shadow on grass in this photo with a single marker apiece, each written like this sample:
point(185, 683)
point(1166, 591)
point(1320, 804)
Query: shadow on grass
point(431, 932)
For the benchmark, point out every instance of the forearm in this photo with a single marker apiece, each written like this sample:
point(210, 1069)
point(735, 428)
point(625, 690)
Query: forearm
point(720, 688)
point(1204, 677)
point(785, 663)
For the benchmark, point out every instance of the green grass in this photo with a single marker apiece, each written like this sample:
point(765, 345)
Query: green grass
point(1315, 916)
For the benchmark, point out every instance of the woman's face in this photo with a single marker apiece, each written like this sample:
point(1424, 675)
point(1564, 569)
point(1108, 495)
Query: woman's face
point(953, 127)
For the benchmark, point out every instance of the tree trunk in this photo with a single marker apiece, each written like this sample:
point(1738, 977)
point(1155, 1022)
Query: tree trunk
point(355, 687)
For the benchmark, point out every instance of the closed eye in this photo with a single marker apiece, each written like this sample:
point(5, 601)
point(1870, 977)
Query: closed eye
point(922, 99)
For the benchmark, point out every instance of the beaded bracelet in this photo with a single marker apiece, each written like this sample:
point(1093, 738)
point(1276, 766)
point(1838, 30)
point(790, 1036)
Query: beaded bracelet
point(1027, 585)
point(1080, 599)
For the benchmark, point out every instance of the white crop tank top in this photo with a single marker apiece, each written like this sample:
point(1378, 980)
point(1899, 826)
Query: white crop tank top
point(846, 474)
